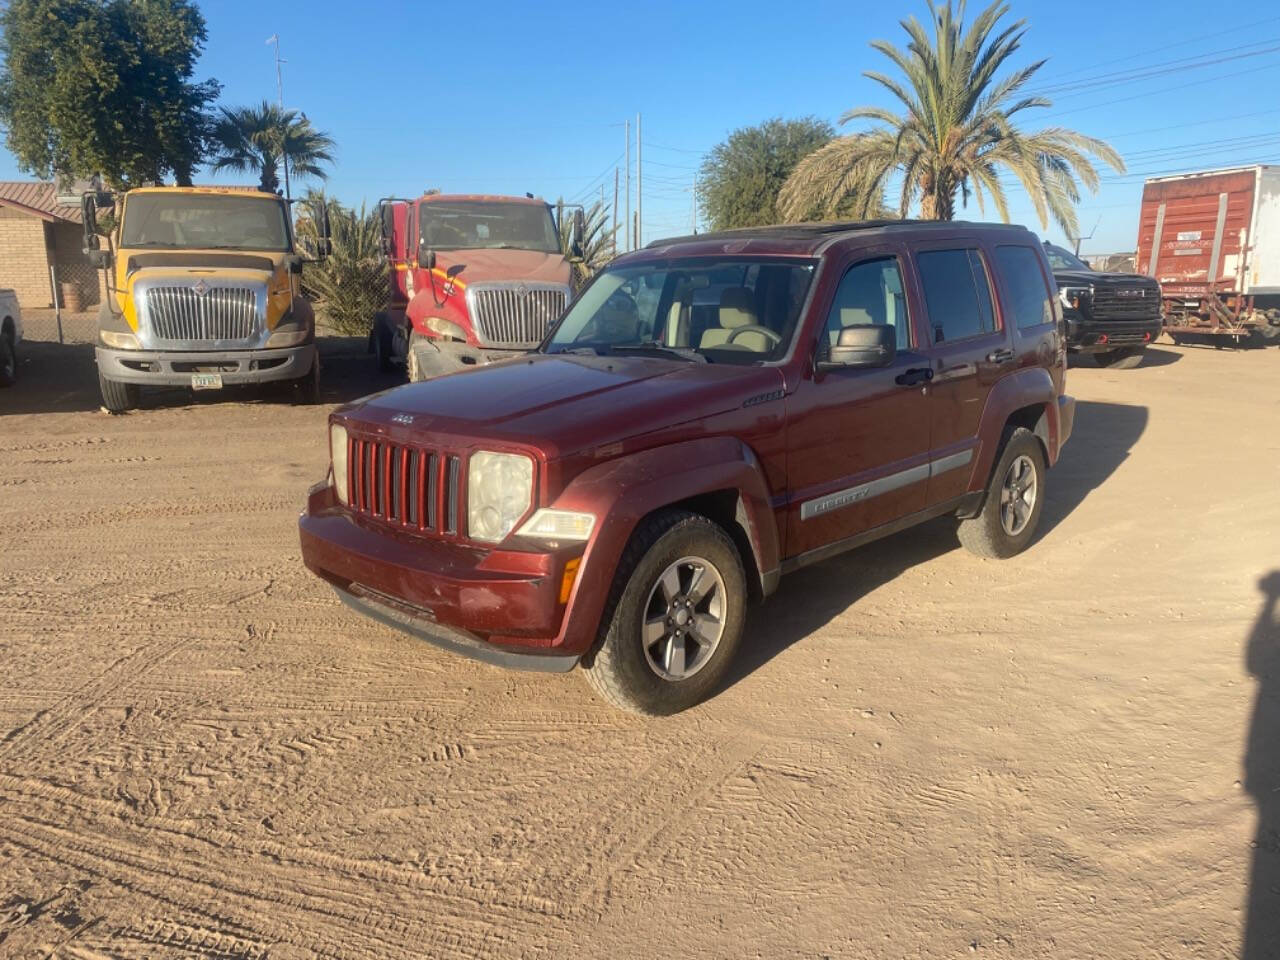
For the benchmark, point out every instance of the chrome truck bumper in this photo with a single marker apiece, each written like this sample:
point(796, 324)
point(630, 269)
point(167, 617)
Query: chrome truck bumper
point(175, 368)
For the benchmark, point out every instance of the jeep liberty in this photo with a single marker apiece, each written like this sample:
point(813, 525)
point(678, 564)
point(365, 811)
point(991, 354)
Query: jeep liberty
point(710, 413)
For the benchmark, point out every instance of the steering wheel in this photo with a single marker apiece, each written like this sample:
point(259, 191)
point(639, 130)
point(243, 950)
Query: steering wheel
point(772, 336)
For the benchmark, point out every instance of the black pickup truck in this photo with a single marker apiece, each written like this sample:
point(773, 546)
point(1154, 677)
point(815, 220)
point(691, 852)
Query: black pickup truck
point(1112, 316)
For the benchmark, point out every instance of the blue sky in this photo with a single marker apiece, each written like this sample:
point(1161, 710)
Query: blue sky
point(508, 97)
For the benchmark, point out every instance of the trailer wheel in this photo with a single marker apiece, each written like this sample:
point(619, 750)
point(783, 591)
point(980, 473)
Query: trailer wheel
point(1269, 329)
point(1122, 358)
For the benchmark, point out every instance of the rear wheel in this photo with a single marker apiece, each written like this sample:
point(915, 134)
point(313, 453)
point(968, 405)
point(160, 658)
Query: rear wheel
point(382, 343)
point(1122, 358)
point(675, 619)
point(307, 389)
point(8, 361)
point(1014, 500)
point(116, 396)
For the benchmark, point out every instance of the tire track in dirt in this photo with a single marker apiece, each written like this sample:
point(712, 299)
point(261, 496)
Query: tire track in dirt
point(47, 728)
point(262, 885)
point(150, 512)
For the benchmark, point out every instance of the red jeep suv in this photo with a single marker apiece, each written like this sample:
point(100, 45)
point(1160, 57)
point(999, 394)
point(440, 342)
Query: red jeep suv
point(710, 413)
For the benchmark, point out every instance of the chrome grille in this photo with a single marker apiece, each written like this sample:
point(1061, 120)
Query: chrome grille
point(517, 314)
point(220, 313)
point(406, 486)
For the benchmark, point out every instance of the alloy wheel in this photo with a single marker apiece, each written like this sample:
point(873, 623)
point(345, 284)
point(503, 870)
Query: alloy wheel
point(1018, 495)
point(683, 618)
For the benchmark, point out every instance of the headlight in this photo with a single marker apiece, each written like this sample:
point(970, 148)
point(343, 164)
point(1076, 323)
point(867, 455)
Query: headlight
point(499, 491)
point(445, 328)
point(558, 525)
point(338, 456)
point(118, 340)
point(289, 333)
point(1073, 297)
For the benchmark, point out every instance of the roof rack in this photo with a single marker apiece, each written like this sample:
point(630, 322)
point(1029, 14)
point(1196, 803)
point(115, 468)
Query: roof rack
point(804, 231)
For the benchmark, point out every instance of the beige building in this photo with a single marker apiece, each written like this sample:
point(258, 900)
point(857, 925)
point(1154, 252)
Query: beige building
point(41, 239)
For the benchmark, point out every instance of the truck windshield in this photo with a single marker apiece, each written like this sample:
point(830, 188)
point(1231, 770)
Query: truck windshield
point(193, 221)
point(720, 310)
point(1060, 259)
point(486, 225)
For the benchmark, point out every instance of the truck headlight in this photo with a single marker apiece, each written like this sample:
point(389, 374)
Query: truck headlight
point(1073, 297)
point(289, 333)
point(338, 457)
point(559, 525)
point(445, 328)
point(499, 491)
point(119, 340)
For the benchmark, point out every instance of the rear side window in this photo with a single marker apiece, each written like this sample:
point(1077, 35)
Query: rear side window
point(871, 292)
point(1027, 297)
point(957, 293)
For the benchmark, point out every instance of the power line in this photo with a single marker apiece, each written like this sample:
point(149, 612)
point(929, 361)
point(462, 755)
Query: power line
point(1193, 123)
point(1163, 90)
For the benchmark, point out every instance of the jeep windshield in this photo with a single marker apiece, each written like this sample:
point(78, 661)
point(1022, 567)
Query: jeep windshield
point(202, 221)
point(722, 311)
point(486, 226)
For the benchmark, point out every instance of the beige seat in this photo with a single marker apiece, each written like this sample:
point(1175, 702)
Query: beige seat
point(737, 310)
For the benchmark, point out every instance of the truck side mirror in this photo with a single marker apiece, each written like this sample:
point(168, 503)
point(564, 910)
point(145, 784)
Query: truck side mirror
point(577, 235)
point(388, 218)
point(426, 256)
point(89, 216)
point(861, 346)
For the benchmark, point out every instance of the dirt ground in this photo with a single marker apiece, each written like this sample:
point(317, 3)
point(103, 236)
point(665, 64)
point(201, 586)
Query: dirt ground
point(922, 754)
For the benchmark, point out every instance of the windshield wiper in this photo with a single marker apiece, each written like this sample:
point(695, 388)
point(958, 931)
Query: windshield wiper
point(655, 346)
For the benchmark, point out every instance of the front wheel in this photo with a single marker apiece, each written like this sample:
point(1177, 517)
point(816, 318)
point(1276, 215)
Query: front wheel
point(1013, 503)
point(1122, 358)
point(678, 606)
point(307, 389)
point(118, 397)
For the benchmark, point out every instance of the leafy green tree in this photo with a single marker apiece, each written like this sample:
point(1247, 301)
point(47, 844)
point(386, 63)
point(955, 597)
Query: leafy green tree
point(598, 242)
point(351, 285)
point(740, 178)
point(256, 139)
point(104, 86)
point(958, 129)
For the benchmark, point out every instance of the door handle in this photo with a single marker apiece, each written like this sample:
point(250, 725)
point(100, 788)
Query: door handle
point(914, 376)
point(1000, 356)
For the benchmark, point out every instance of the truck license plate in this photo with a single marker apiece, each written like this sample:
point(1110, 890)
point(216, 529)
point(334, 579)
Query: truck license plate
point(206, 381)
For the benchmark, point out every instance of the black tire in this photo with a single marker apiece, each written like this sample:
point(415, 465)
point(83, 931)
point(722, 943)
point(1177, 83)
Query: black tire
point(8, 361)
point(1268, 332)
point(307, 389)
point(116, 396)
point(382, 348)
point(620, 669)
point(986, 534)
point(1122, 358)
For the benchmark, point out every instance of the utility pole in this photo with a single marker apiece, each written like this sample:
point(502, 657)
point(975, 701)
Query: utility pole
point(613, 237)
point(284, 133)
point(627, 131)
point(694, 191)
point(639, 184)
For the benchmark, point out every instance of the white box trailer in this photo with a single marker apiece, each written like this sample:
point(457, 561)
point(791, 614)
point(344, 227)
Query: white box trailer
point(1212, 242)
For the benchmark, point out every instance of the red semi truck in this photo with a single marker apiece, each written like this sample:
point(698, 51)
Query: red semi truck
point(474, 278)
point(1212, 242)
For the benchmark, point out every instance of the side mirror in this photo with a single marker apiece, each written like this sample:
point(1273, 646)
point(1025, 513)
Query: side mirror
point(426, 256)
point(388, 223)
point(320, 214)
point(862, 346)
point(577, 235)
point(89, 216)
point(98, 258)
point(294, 263)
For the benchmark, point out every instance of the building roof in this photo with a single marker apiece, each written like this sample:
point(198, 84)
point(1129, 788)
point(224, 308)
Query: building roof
point(38, 199)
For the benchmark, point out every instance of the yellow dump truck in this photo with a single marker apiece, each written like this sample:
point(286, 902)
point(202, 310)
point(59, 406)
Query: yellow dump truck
point(203, 291)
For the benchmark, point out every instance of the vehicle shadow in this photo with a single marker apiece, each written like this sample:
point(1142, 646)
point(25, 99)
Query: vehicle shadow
point(1153, 356)
point(63, 378)
point(807, 600)
point(1262, 777)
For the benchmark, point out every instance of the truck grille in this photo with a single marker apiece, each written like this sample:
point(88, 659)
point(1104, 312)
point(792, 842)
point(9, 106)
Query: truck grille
point(516, 314)
point(406, 486)
point(1125, 301)
point(220, 313)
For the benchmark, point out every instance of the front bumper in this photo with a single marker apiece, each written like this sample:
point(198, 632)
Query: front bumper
point(1090, 336)
point(174, 368)
point(498, 606)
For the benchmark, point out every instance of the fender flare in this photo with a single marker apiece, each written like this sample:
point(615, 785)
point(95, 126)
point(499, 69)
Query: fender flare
point(1029, 387)
point(622, 491)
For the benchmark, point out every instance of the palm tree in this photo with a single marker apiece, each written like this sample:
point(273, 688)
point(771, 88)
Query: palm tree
point(956, 134)
point(257, 139)
point(598, 246)
point(350, 285)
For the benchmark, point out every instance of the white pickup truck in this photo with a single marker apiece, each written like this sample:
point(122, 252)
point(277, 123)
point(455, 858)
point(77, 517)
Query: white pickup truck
point(10, 337)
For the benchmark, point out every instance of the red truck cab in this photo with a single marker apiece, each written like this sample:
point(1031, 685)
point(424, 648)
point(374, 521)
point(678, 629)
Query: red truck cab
point(709, 413)
point(474, 279)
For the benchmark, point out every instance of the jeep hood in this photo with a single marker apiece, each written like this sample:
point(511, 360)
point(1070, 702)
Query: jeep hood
point(564, 404)
point(487, 266)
